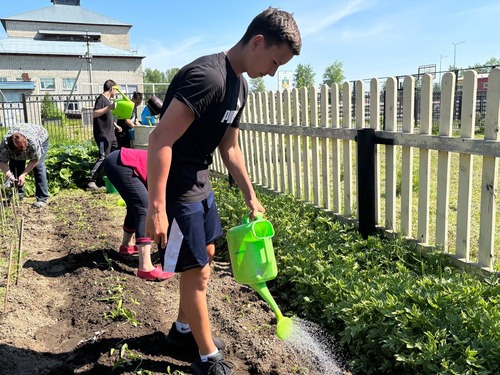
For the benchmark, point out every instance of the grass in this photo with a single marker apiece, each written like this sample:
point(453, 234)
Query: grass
point(453, 202)
point(453, 196)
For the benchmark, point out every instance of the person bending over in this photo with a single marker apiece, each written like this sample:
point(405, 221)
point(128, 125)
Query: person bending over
point(26, 142)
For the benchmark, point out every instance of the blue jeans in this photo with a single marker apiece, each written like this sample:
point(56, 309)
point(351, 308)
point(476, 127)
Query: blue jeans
point(39, 172)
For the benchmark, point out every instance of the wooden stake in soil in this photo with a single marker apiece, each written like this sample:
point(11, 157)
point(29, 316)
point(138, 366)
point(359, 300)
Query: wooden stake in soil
point(8, 276)
point(21, 226)
point(3, 194)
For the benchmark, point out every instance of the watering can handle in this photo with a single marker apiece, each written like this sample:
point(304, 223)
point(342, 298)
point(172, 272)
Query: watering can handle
point(117, 88)
point(246, 218)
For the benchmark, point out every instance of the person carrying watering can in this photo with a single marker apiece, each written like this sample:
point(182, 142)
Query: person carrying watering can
point(104, 130)
point(201, 111)
point(122, 131)
point(126, 169)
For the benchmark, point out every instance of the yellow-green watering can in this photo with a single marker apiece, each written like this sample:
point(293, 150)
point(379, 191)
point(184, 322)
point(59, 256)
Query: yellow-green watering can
point(253, 262)
point(123, 107)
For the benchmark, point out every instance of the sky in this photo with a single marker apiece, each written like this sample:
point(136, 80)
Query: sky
point(372, 38)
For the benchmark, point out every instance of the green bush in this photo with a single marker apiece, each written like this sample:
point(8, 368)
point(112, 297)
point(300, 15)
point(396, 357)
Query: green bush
point(391, 308)
point(68, 166)
point(50, 110)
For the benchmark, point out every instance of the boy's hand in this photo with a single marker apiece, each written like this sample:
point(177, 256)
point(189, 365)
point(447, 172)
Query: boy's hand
point(157, 226)
point(255, 207)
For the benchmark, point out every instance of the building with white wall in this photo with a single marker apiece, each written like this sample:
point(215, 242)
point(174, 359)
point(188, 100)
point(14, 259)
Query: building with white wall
point(63, 49)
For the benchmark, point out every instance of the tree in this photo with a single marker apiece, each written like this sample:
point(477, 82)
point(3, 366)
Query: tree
point(486, 67)
point(334, 73)
point(170, 73)
point(303, 76)
point(156, 77)
point(257, 85)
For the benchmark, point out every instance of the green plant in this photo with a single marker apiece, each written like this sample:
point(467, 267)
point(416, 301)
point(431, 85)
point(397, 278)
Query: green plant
point(108, 262)
point(126, 357)
point(393, 308)
point(68, 166)
point(50, 110)
point(119, 312)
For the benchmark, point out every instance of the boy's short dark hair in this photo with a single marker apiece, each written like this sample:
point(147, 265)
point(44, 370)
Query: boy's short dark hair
point(137, 95)
point(108, 85)
point(277, 26)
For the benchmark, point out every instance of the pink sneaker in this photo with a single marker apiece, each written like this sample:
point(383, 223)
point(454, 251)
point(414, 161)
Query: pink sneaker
point(156, 274)
point(128, 250)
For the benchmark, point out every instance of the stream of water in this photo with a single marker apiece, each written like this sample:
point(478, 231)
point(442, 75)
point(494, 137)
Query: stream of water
point(308, 339)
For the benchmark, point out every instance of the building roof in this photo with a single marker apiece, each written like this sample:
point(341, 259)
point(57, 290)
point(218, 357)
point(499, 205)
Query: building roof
point(27, 46)
point(68, 14)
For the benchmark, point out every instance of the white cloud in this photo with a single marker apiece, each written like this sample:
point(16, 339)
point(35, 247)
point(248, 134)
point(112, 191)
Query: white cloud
point(161, 57)
point(358, 34)
point(315, 22)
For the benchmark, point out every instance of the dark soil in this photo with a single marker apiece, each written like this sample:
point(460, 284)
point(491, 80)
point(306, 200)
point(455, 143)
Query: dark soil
point(54, 321)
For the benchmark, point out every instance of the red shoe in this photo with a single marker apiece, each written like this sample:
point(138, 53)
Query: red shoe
point(156, 274)
point(128, 250)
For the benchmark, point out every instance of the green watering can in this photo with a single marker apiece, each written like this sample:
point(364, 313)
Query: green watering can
point(253, 262)
point(123, 107)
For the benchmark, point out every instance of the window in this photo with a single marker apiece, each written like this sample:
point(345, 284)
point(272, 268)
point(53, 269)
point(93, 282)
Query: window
point(68, 83)
point(3, 79)
point(47, 84)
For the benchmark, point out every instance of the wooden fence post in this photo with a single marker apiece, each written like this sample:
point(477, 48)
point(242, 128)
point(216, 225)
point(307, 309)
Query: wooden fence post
point(366, 181)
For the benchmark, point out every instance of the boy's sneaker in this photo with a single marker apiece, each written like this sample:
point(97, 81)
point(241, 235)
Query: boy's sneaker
point(178, 340)
point(214, 366)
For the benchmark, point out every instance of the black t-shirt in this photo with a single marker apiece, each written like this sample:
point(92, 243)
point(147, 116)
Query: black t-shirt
point(103, 125)
point(216, 95)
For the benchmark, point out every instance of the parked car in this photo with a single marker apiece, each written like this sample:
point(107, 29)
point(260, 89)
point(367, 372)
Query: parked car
point(73, 109)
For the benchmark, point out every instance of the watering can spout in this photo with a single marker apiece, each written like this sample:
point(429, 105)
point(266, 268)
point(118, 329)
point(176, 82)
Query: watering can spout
point(284, 326)
point(263, 291)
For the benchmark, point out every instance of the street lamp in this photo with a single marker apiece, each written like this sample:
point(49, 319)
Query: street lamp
point(455, 53)
point(440, 70)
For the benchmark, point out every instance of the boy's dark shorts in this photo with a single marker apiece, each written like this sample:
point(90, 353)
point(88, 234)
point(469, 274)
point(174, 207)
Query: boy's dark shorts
point(192, 226)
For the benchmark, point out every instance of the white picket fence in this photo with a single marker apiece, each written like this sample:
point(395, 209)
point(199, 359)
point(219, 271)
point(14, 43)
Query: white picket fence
point(304, 147)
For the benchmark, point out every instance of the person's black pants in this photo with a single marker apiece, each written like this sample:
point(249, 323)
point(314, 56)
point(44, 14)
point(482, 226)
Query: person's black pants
point(134, 193)
point(105, 146)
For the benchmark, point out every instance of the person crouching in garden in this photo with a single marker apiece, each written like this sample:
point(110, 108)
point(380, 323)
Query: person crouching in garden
point(126, 170)
point(26, 142)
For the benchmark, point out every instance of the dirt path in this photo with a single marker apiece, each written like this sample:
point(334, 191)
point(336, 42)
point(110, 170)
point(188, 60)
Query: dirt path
point(55, 324)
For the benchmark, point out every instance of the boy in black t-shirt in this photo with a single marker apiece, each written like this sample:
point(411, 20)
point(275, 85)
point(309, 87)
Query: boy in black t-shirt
point(201, 111)
point(104, 129)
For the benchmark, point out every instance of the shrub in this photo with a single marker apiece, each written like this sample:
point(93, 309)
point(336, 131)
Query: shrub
point(50, 110)
point(393, 309)
point(68, 166)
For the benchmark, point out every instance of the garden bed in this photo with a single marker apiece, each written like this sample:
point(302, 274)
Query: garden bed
point(71, 276)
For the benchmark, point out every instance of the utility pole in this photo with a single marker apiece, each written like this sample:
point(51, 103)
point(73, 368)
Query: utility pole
point(88, 56)
point(440, 70)
point(455, 53)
